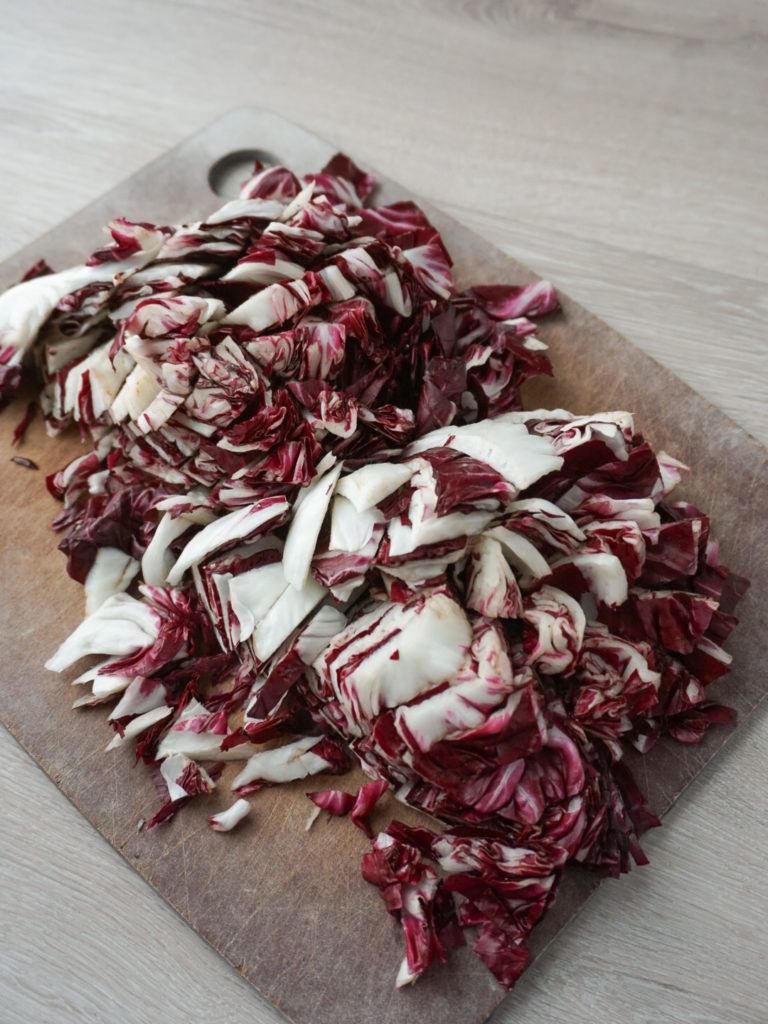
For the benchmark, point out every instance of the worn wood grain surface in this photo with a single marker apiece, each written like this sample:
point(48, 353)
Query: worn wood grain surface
point(618, 148)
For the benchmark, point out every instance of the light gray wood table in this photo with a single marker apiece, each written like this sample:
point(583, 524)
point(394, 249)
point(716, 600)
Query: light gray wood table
point(619, 148)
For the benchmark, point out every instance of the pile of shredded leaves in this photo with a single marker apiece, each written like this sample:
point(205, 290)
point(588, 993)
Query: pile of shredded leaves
point(316, 529)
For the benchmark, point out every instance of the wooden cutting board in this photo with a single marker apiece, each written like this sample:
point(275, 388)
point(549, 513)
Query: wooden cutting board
point(285, 906)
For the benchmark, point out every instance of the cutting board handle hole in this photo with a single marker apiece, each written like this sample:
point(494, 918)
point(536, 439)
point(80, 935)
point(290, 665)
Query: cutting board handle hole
point(229, 172)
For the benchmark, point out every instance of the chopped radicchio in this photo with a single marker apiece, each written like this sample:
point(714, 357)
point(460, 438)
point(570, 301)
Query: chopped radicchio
point(226, 820)
point(335, 801)
point(315, 514)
